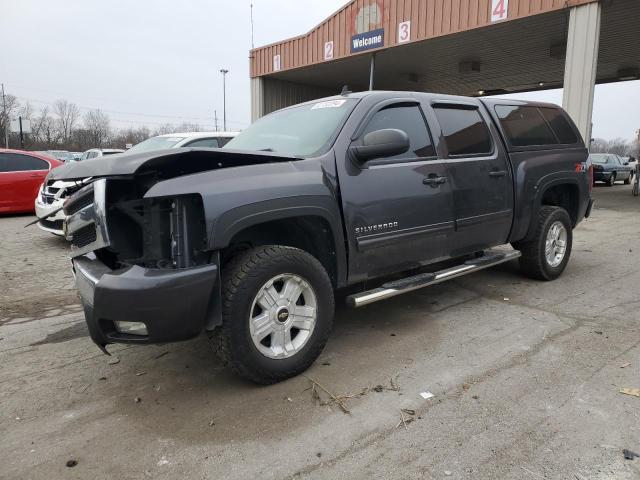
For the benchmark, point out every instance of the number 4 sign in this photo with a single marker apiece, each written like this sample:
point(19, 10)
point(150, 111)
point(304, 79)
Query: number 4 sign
point(499, 10)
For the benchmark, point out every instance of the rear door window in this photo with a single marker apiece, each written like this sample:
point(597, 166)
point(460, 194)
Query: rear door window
point(525, 126)
point(409, 119)
point(464, 130)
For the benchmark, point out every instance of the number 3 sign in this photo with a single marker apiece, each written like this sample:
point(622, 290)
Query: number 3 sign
point(499, 10)
point(404, 32)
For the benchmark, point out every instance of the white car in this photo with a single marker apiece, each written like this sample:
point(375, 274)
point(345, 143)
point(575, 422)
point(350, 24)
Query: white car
point(100, 152)
point(51, 197)
point(180, 140)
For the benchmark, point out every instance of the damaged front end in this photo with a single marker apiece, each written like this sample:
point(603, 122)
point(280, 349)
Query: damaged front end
point(141, 265)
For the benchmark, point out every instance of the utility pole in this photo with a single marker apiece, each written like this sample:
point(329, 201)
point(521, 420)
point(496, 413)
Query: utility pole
point(224, 98)
point(21, 134)
point(6, 120)
point(252, 46)
point(215, 119)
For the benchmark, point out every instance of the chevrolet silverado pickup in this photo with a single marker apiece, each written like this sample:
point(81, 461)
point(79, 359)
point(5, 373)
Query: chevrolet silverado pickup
point(382, 192)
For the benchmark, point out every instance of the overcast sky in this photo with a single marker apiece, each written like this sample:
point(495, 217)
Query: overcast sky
point(154, 62)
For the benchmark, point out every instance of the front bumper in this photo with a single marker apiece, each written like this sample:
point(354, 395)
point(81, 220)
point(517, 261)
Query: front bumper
point(51, 224)
point(173, 304)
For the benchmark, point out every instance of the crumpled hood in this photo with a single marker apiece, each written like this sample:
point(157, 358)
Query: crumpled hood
point(174, 162)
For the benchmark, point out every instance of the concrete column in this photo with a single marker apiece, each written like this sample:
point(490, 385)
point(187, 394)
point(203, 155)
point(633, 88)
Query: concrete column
point(581, 64)
point(257, 98)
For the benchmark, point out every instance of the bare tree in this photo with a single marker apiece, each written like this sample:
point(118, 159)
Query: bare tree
point(619, 146)
point(12, 105)
point(164, 129)
point(97, 124)
point(44, 130)
point(68, 115)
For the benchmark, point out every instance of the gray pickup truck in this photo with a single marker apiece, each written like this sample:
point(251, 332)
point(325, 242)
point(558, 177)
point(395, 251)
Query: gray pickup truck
point(249, 242)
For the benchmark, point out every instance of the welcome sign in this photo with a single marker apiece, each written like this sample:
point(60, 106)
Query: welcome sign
point(367, 40)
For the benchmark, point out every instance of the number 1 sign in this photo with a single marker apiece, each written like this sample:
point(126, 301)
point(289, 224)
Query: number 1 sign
point(499, 10)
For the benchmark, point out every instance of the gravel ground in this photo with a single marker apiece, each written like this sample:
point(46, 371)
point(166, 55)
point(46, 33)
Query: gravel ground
point(525, 377)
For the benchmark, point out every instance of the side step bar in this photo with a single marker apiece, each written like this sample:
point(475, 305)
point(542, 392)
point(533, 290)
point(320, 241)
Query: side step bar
point(409, 284)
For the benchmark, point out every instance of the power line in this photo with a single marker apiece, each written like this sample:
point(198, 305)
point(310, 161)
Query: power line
point(194, 119)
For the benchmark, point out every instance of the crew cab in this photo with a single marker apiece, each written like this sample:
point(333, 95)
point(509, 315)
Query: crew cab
point(248, 243)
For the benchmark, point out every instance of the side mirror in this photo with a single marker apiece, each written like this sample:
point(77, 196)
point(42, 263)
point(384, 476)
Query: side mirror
point(382, 144)
point(626, 163)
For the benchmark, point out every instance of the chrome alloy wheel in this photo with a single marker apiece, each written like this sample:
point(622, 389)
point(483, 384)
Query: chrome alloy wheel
point(283, 315)
point(556, 244)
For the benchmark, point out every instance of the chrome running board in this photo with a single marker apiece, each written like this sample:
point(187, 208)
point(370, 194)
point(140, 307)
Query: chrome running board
point(397, 287)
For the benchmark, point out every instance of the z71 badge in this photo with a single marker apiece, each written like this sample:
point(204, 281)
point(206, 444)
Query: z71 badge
point(380, 227)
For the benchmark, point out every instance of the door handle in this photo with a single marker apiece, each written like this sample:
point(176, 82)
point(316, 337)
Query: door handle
point(497, 173)
point(434, 180)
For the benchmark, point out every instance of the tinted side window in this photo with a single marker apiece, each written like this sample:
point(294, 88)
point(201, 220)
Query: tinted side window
point(560, 125)
point(409, 119)
point(204, 143)
point(525, 126)
point(464, 130)
point(12, 162)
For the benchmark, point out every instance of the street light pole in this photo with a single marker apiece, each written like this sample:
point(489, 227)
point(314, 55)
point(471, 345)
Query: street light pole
point(224, 98)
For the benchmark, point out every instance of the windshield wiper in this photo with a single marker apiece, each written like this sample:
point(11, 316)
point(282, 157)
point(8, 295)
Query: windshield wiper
point(266, 150)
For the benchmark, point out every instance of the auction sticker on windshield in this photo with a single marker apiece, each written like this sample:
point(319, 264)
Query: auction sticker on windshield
point(329, 104)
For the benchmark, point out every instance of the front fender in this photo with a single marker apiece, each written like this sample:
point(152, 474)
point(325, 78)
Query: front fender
point(238, 198)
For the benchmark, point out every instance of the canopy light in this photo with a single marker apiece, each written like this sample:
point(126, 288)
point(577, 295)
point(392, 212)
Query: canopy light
point(468, 67)
point(625, 74)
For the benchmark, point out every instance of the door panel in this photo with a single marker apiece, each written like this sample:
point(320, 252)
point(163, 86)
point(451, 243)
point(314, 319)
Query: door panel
point(398, 211)
point(480, 176)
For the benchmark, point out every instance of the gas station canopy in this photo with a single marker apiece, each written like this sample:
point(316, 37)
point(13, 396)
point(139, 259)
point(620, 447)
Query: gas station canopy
point(465, 47)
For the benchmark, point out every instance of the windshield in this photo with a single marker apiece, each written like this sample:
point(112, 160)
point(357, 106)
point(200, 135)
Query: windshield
point(599, 158)
point(155, 143)
point(302, 131)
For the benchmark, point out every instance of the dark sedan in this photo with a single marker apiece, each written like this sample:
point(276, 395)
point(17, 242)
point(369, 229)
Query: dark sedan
point(610, 168)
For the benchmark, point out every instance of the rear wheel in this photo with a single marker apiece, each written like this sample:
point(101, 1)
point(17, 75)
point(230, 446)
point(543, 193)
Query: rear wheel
point(546, 256)
point(277, 313)
point(628, 180)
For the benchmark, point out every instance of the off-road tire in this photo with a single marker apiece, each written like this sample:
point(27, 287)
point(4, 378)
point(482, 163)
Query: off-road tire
point(533, 262)
point(242, 278)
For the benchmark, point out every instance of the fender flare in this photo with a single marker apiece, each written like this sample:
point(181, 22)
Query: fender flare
point(544, 184)
point(237, 219)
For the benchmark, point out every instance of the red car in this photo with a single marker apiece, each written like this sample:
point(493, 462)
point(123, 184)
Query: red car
point(21, 174)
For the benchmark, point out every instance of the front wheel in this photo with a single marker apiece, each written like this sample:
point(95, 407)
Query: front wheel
point(546, 256)
point(612, 180)
point(277, 313)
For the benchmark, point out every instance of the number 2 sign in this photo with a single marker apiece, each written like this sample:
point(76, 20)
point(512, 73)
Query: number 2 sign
point(499, 10)
point(404, 32)
point(328, 50)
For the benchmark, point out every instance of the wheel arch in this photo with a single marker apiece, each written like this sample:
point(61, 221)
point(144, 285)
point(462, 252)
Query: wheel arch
point(559, 191)
point(312, 224)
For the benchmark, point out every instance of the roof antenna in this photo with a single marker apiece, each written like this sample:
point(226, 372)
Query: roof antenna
point(345, 91)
